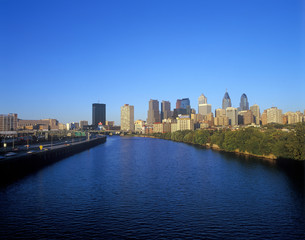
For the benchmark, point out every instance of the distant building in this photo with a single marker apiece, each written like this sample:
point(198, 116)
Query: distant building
point(127, 118)
point(110, 123)
point(43, 124)
point(139, 124)
point(294, 117)
point(244, 104)
point(245, 117)
point(161, 127)
point(174, 127)
point(185, 123)
point(221, 121)
point(153, 114)
point(8, 122)
point(226, 101)
point(165, 110)
point(256, 113)
point(197, 117)
point(82, 124)
point(98, 114)
point(264, 117)
point(219, 112)
point(231, 113)
point(204, 109)
point(274, 115)
point(202, 100)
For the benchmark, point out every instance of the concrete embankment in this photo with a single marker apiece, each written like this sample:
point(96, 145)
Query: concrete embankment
point(16, 167)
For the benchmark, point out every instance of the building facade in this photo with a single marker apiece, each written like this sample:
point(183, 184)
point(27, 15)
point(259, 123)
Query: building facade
point(153, 114)
point(274, 115)
point(256, 113)
point(98, 114)
point(231, 113)
point(244, 104)
point(165, 110)
point(127, 118)
point(8, 122)
point(226, 101)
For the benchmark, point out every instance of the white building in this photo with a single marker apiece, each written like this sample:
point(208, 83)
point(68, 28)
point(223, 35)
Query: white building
point(274, 115)
point(127, 118)
point(184, 122)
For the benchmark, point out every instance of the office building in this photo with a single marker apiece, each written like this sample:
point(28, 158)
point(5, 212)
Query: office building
point(165, 110)
point(294, 117)
point(202, 99)
point(264, 117)
point(245, 117)
point(244, 104)
point(256, 113)
point(231, 113)
point(8, 122)
point(219, 112)
point(153, 114)
point(82, 124)
point(203, 107)
point(127, 118)
point(226, 101)
point(98, 114)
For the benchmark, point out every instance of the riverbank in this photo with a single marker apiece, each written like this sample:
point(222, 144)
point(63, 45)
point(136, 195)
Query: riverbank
point(18, 166)
point(215, 147)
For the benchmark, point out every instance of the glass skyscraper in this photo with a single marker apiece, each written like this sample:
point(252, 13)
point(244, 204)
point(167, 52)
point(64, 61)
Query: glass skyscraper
point(244, 104)
point(226, 101)
point(98, 114)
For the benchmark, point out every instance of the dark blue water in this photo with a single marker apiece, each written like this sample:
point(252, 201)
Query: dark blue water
point(151, 188)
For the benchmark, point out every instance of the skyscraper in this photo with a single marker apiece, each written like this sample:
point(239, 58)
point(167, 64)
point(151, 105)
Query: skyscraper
point(8, 122)
point(185, 103)
point(127, 118)
point(203, 107)
point(202, 99)
point(256, 113)
point(274, 115)
point(165, 110)
point(98, 114)
point(226, 101)
point(153, 114)
point(244, 104)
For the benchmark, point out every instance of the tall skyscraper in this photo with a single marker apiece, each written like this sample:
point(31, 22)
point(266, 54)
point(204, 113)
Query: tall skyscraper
point(203, 107)
point(226, 101)
point(127, 118)
point(153, 114)
point(256, 113)
point(185, 103)
point(178, 103)
point(98, 114)
point(244, 104)
point(231, 113)
point(202, 99)
point(165, 110)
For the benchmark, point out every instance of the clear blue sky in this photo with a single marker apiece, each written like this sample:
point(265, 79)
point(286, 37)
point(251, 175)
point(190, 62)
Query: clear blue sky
point(59, 57)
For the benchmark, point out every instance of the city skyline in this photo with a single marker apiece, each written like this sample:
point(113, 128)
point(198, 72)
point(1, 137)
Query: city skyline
point(55, 63)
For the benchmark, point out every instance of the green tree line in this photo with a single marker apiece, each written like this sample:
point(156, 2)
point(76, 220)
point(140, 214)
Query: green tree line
point(290, 145)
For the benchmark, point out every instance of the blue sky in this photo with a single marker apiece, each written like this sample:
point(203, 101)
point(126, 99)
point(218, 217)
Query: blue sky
point(59, 57)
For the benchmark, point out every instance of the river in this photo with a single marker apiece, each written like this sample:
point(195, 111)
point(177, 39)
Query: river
point(147, 188)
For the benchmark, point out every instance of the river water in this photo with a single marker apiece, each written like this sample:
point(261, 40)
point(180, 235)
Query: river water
point(147, 188)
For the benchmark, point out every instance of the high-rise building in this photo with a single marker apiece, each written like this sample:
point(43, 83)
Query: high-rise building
point(165, 110)
point(98, 114)
point(139, 124)
point(185, 103)
point(127, 118)
point(245, 117)
point(264, 117)
point(219, 112)
point(178, 103)
point(231, 113)
point(8, 122)
point(294, 117)
point(203, 107)
point(202, 99)
point(256, 113)
point(274, 115)
point(244, 104)
point(153, 114)
point(185, 123)
point(226, 101)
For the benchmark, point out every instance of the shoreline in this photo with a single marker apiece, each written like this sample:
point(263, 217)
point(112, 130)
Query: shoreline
point(218, 149)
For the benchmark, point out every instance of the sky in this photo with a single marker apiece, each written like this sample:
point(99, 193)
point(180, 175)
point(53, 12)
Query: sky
point(58, 57)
